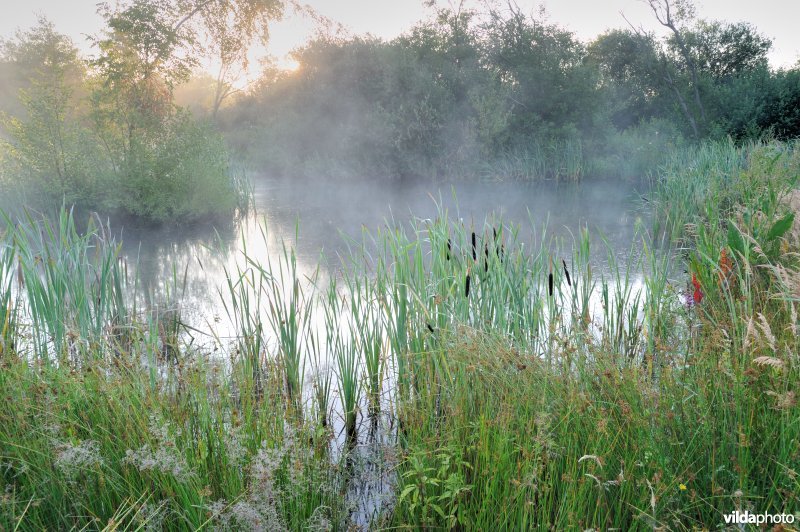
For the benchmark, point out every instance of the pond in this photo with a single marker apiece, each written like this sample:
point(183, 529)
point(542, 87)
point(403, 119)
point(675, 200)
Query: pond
point(322, 218)
point(319, 220)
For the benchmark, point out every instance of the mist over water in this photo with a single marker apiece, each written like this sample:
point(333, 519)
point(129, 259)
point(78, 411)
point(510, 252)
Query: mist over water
point(320, 219)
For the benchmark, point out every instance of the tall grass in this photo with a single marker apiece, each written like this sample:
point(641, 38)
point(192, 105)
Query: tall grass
point(700, 422)
point(73, 284)
point(105, 433)
point(529, 387)
point(8, 301)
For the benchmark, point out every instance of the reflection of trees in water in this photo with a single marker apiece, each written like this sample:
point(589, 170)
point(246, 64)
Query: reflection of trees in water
point(177, 264)
point(186, 264)
point(181, 269)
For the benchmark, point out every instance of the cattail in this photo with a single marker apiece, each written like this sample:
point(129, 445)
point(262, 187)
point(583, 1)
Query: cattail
point(486, 256)
point(499, 248)
point(474, 246)
point(430, 327)
point(449, 249)
point(494, 237)
point(550, 284)
point(466, 286)
point(566, 272)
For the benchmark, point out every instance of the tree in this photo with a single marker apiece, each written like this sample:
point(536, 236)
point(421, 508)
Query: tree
point(723, 50)
point(231, 27)
point(46, 142)
point(148, 47)
point(552, 87)
point(151, 45)
point(630, 75)
point(671, 13)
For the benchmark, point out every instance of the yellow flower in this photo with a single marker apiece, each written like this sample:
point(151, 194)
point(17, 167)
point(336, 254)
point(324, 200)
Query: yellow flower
point(682, 487)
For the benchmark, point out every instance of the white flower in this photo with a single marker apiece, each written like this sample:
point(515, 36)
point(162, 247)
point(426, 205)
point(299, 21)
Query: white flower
point(72, 459)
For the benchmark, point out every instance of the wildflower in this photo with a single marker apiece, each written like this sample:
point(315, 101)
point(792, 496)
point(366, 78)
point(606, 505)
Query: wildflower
point(697, 296)
point(682, 486)
point(235, 448)
point(164, 457)
point(150, 517)
point(244, 515)
point(725, 268)
point(72, 459)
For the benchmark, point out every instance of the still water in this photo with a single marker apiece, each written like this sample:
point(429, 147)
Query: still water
point(319, 219)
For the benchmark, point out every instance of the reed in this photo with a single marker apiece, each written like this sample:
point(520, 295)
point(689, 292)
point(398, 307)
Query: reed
point(348, 372)
point(73, 284)
point(8, 302)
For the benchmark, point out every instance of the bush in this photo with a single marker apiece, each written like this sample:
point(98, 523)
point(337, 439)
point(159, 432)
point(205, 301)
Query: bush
point(182, 174)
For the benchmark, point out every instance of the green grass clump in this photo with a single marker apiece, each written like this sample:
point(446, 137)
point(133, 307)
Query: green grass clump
point(705, 422)
point(101, 447)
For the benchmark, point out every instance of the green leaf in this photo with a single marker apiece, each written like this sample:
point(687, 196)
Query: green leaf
point(439, 510)
point(405, 492)
point(780, 227)
point(735, 240)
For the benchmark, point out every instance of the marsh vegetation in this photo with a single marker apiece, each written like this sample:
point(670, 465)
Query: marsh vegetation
point(564, 298)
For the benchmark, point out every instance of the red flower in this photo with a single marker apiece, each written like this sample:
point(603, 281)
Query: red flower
point(725, 268)
point(698, 293)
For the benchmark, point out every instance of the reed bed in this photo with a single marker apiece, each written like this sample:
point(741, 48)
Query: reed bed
point(525, 387)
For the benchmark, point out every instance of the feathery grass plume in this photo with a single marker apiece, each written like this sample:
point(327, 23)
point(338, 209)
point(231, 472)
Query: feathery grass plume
point(73, 459)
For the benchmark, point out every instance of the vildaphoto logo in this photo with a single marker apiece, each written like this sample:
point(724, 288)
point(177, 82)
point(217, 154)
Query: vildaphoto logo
point(747, 518)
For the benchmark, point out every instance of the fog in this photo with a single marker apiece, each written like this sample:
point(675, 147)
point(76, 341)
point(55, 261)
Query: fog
point(323, 221)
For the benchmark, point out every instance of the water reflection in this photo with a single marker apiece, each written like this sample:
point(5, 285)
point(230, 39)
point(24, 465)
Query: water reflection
point(322, 217)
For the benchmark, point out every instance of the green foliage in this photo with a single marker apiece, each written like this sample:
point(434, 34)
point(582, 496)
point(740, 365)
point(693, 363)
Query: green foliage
point(114, 140)
point(499, 94)
point(432, 494)
point(180, 172)
point(50, 152)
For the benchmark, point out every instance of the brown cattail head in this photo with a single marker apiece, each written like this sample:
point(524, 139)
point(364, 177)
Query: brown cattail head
point(566, 273)
point(486, 257)
point(474, 247)
point(466, 285)
point(449, 249)
point(550, 284)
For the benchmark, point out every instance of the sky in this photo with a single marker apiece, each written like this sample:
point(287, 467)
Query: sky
point(388, 18)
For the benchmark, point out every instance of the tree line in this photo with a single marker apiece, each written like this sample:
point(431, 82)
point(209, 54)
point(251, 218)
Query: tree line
point(489, 92)
point(500, 92)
